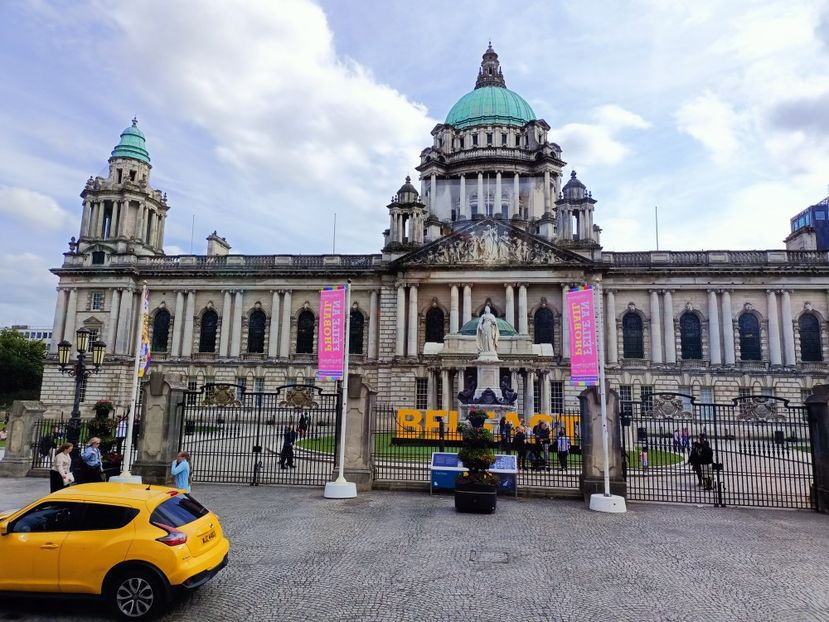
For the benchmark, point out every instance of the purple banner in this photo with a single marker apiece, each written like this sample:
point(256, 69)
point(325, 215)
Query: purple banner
point(584, 352)
point(331, 341)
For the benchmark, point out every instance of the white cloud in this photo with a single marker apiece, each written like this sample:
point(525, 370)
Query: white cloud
point(28, 290)
point(32, 208)
point(597, 143)
point(712, 122)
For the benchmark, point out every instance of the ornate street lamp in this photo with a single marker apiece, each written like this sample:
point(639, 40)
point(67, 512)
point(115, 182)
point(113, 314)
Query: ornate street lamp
point(81, 372)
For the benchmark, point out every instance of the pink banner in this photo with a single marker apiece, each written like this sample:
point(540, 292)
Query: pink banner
point(584, 354)
point(331, 341)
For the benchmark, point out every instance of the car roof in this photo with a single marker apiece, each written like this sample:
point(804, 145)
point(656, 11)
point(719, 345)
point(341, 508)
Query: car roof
point(112, 492)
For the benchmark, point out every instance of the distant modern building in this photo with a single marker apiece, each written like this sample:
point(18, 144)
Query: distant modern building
point(34, 333)
point(494, 220)
point(810, 228)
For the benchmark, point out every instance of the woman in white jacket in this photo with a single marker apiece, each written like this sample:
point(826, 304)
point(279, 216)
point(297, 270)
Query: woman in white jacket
point(61, 475)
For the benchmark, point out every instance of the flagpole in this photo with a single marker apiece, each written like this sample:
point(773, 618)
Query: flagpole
point(126, 476)
point(340, 488)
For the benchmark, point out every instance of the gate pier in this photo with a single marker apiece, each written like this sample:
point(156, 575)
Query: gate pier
point(592, 477)
point(817, 406)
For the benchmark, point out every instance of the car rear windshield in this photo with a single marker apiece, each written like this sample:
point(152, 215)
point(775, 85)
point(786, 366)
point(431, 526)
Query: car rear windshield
point(178, 511)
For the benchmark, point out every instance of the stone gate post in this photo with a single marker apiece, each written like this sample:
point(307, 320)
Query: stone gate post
point(817, 405)
point(357, 464)
point(592, 476)
point(17, 461)
point(160, 427)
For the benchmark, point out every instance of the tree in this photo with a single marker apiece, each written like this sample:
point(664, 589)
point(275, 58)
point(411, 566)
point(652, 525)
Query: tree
point(21, 366)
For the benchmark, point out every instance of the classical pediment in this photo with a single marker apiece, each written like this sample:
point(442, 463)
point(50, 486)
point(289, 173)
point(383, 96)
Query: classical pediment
point(490, 243)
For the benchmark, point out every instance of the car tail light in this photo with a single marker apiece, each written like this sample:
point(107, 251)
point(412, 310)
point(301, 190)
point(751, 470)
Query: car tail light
point(173, 537)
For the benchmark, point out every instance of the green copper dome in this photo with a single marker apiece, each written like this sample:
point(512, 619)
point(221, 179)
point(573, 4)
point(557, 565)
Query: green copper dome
point(490, 105)
point(504, 328)
point(133, 144)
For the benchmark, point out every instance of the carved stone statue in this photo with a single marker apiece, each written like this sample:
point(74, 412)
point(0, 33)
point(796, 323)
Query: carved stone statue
point(488, 332)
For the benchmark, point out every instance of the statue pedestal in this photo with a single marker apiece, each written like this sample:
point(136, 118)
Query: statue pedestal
point(488, 376)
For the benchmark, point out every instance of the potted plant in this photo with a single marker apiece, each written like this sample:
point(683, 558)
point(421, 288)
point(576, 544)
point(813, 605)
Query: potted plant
point(103, 408)
point(476, 489)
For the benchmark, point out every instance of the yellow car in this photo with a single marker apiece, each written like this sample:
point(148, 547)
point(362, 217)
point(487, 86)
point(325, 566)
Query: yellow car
point(131, 543)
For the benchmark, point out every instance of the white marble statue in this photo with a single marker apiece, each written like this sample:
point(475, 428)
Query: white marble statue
point(488, 332)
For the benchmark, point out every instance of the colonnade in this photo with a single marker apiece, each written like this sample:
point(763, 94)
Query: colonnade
point(128, 219)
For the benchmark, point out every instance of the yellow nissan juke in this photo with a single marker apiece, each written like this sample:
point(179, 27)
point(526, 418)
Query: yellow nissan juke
point(131, 543)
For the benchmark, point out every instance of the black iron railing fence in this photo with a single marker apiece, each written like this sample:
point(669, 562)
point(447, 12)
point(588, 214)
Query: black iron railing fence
point(760, 452)
point(403, 452)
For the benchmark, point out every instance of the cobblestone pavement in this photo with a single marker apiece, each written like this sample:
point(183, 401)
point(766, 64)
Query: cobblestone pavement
point(407, 556)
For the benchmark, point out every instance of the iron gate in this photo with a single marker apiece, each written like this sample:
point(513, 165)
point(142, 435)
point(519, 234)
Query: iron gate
point(234, 436)
point(761, 451)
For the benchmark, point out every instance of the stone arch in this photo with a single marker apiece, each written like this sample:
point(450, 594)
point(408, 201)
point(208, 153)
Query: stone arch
point(160, 330)
point(305, 324)
point(690, 335)
point(257, 324)
point(809, 329)
point(749, 334)
point(633, 334)
point(356, 328)
point(208, 329)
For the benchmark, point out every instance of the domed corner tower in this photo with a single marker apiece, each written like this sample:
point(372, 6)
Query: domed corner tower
point(122, 213)
point(491, 158)
point(407, 221)
point(574, 216)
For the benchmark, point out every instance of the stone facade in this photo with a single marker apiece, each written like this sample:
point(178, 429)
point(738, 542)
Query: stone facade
point(492, 224)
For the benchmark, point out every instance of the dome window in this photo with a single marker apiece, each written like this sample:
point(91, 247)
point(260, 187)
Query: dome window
point(489, 139)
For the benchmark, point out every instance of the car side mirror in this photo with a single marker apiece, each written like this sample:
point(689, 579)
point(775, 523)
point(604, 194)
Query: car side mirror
point(4, 528)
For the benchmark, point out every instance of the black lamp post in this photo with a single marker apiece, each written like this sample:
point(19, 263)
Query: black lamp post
point(81, 372)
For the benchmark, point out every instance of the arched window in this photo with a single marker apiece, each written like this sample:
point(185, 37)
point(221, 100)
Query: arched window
point(690, 336)
point(256, 332)
point(305, 333)
point(749, 338)
point(632, 342)
point(355, 332)
point(434, 325)
point(161, 331)
point(810, 349)
point(207, 338)
point(543, 323)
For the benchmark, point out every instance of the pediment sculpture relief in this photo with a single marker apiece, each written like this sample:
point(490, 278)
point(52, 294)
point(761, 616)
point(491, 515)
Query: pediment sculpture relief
point(488, 246)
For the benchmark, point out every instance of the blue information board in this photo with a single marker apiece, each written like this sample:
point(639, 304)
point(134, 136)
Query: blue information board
point(445, 468)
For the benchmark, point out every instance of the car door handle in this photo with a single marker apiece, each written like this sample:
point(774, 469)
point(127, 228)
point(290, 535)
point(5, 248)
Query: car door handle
point(49, 545)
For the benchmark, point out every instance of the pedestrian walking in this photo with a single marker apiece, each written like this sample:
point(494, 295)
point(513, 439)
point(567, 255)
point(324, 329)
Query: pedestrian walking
point(120, 434)
point(685, 440)
point(286, 456)
point(505, 432)
point(706, 461)
point(643, 458)
point(60, 475)
point(91, 465)
point(562, 449)
point(677, 441)
point(519, 443)
point(302, 429)
point(693, 460)
point(182, 471)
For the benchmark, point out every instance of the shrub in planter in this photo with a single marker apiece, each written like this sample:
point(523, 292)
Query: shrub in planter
point(476, 489)
point(103, 408)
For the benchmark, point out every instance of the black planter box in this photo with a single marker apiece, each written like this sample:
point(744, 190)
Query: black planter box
point(475, 498)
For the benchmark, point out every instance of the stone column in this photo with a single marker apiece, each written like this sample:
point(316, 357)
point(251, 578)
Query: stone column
point(161, 423)
point(446, 390)
point(713, 329)
point(273, 339)
point(227, 321)
point(547, 202)
point(112, 322)
point(178, 324)
point(529, 395)
point(431, 388)
point(17, 460)
point(467, 303)
point(788, 329)
point(565, 323)
point(400, 344)
point(774, 328)
point(496, 209)
point(656, 329)
point(124, 322)
point(670, 334)
point(462, 208)
point(71, 317)
point(510, 310)
point(87, 212)
point(236, 329)
point(481, 198)
point(592, 480)
point(357, 461)
point(412, 345)
point(189, 313)
point(285, 331)
point(373, 324)
point(523, 327)
point(453, 309)
point(612, 349)
point(729, 355)
point(60, 320)
point(515, 191)
point(546, 406)
point(434, 193)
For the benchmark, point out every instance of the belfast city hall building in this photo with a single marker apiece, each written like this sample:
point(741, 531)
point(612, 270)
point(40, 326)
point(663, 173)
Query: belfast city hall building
point(495, 219)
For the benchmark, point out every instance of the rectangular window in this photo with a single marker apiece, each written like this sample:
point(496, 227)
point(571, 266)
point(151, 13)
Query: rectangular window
point(517, 140)
point(259, 389)
point(97, 301)
point(767, 391)
point(646, 395)
point(537, 395)
point(474, 140)
point(421, 393)
point(557, 397)
point(804, 394)
point(707, 397)
point(489, 139)
point(240, 390)
point(686, 401)
point(462, 143)
point(626, 397)
point(439, 390)
point(83, 389)
point(504, 140)
point(820, 215)
point(192, 387)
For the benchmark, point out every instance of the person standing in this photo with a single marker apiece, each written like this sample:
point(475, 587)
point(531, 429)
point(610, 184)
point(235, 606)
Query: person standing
point(91, 465)
point(286, 456)
point(120, 434)
point(543, 439)
point(706, 462)
point(563, 449)
point(182, 471)
point(677, 441)
point(693, 460)
point(60, 475)
point(519, 443)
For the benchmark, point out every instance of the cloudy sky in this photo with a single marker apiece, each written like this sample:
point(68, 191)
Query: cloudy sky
point(265, 118)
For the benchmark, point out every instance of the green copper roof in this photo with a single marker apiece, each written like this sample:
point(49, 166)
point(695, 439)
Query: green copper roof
point(133, 144)
point(504, 328)
point(490, 105)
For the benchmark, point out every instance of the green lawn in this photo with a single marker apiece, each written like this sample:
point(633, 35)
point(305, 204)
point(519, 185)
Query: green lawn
point(656, 458)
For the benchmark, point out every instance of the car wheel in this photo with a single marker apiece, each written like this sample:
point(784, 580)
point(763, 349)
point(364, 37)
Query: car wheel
point(135, 594)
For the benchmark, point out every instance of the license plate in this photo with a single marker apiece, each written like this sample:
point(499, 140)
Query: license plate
point(208, 537)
